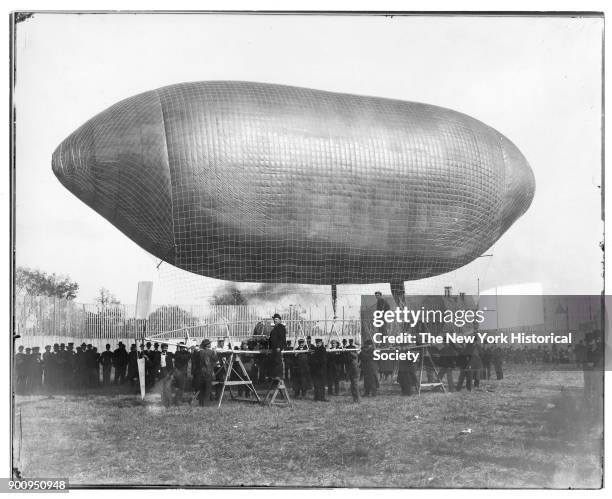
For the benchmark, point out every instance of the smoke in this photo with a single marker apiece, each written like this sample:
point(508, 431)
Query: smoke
point(268, 298)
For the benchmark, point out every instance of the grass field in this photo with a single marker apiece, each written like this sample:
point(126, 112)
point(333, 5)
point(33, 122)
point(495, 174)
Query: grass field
point(528, 430)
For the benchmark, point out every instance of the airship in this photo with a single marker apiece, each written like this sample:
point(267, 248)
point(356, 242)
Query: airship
point(259, 182)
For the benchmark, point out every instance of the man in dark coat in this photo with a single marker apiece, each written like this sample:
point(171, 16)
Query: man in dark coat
point(47, 365)
point(80, 369)
point(288, 361)
point(486, 362)
point(165, 371)
point(370, 369)
point(278, 341)
point(54, 368)
point(156, 360)
point(447, 362)
point(406, 373)
point(301, 370)
point(36, 371)
point(28, 366)
point(63, 367)
point(352, 372)
point(205, 362)
point(181, 361)
point(497, 356)
point(93, 366)
point(318, 370)
point(334, 368)
point(165, 361)
point(194, 362)
point(471, 365)
point(381, 306)
point(106, 360)
point(20, 371)
point(70, 366)
point(120, 362)
point(132, 365)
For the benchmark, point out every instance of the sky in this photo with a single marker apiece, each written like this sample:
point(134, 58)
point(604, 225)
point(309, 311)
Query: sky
point(537, 80)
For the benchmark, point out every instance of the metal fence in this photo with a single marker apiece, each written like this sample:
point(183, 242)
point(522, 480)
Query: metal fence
point(49, 317)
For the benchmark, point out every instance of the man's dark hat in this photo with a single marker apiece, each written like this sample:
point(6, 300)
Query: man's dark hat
point(205, 342)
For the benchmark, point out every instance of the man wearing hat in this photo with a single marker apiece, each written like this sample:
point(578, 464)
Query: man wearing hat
point(132, 365)
point(406, 373)
point(166, 373)
point(166, 361)
point(370, 369)
point(29, 370)
point(71, 365)
point(194, 360)
point(91, 362)
point(47, 357)
point(63, 367)
point(155, 356)
point(20, 370)
point(36, 370)
point(318, 370)
point(352, 372)
point(278, 341)
point(80, 370)
point(106, 359)
point(382, 306)
point(205, 362)
point(335, 360)
point(120, 361)
point(181, 360)
point(288, 361)
point(309, 343)
point(54, 368)
point(300, 371)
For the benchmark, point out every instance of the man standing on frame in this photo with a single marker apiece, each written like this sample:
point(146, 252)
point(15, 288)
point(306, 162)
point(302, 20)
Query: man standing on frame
point(278, 341)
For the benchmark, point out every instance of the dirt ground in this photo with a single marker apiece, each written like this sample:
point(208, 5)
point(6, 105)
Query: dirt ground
point(531, 429)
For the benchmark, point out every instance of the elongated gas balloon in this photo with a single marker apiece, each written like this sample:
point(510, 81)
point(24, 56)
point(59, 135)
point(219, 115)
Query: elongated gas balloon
point(270, 183)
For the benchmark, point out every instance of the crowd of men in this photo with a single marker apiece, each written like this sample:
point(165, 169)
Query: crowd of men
point(306, 366)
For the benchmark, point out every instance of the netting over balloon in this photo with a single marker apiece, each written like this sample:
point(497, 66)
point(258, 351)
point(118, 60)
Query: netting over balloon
point(267, 183)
